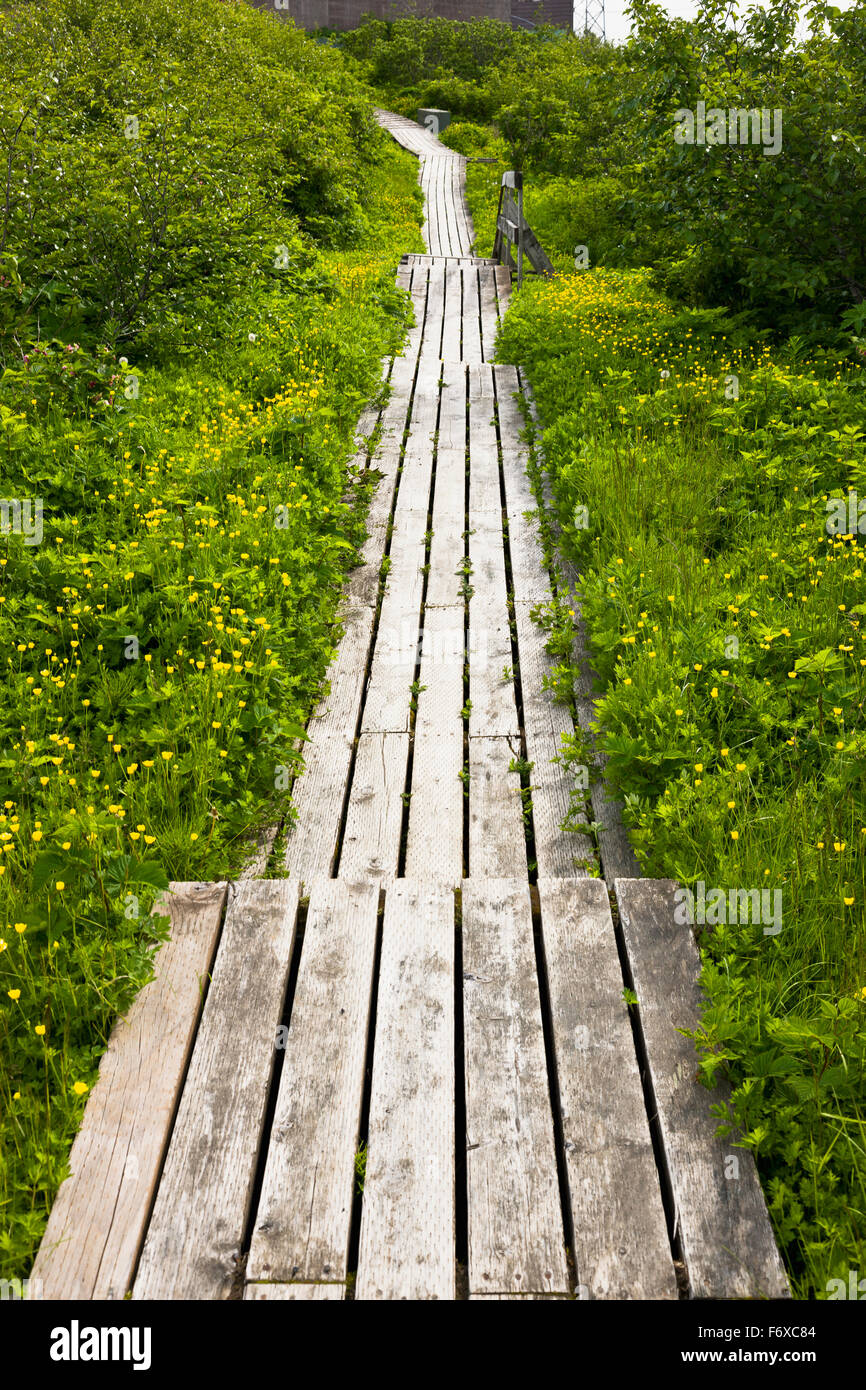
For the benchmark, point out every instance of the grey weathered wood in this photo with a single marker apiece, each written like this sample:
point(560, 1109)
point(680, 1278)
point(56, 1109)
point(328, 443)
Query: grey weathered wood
point(519, 1297)
point(516, 1240)
point(262, 845)
point(196, 1231)
point(309, 1293)
point(451, 334)
point(319, 796)
point(721, 1217)
point(494, 709)
point(471, 316)
point(371, 842)
point(97, 1222)
point(440, 699)
point(302, 1223)
point(556, 795)
point(407, 1219)
point(615, 849)
point(319, 792)
point(434, 848)
point(497, 842)
point(489, 315)
point(448, 542)
point(512, 227)
point(621, 1246)
point(420, 258)
point(502, 281)
point(392, 670)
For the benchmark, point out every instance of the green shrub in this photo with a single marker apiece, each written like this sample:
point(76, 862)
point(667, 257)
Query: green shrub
point(190, 322)
point(691, 471)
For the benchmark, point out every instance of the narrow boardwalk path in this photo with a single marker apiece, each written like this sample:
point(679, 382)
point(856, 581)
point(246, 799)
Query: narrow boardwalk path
point(443, 966)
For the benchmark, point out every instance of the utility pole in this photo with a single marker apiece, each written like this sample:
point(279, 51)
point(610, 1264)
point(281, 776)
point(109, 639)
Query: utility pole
point(594, 18)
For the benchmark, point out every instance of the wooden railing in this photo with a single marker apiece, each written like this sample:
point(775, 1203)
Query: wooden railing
point(512, 229)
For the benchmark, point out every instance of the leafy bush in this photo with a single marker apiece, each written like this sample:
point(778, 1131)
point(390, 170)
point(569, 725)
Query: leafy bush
point(691, 471)
point(189, 323)
point(778, 236)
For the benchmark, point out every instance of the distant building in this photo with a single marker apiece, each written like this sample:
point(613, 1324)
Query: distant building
point(347, 14)
point(528, 14)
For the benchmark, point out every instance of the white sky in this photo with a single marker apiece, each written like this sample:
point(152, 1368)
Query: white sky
point(617, 25)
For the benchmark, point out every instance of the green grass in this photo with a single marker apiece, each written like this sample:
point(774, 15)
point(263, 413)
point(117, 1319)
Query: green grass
point(727, 628)
point(163, 646)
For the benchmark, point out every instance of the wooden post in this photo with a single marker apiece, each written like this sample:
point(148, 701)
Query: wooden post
point(518, 178)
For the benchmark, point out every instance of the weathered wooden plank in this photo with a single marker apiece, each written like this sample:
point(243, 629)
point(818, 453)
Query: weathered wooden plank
point(422, 258)
point(621, 1246)
point(721, 1218)
point(618, 858)
point(371, 843)
point(544, 717)
point(195, 1235)
point(471, 316)
point(494, 710)
point(467, 229)
point(302, 1223)
point(497, 843)
point(434, 849)
point(433, 316)
point(392, 670)
point(453, 313)
point(318, 797)
point(559, 853)
point(519, 1297)
point(97, 1222)
point(516, 1239)
point(261, 846)
point(345, 677)
point(489, 315)
point(452, 408)
point(319, 793)
point(309, 1293)
point(502, 281)
point(407, 1220)
point(447, 543)
point(440, 698)
point(556, 791)
point(491, 660)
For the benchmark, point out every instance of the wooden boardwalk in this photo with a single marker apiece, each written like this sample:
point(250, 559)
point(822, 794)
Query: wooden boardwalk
point(433, 994)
